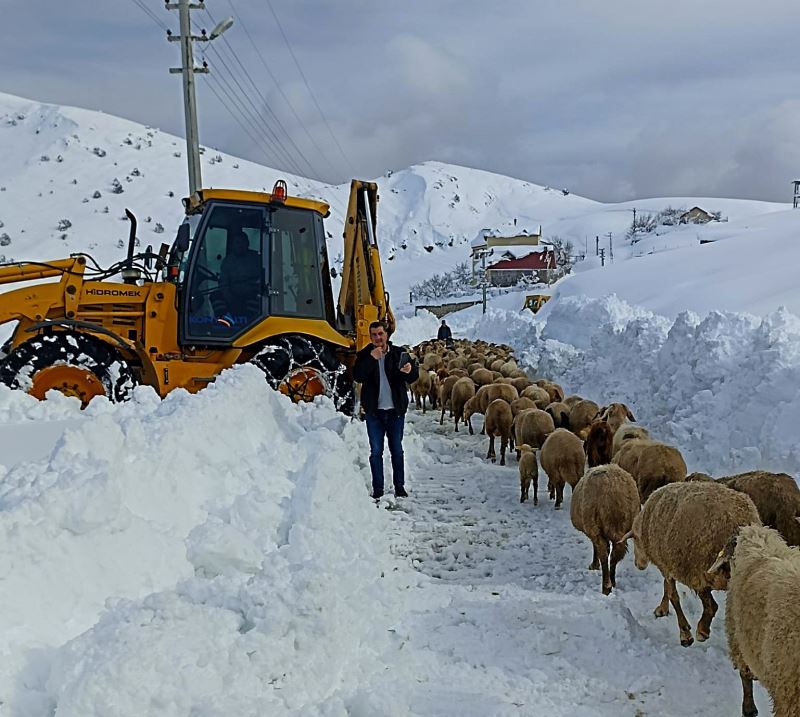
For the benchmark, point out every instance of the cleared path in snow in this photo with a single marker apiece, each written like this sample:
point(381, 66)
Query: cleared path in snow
point(511, 621)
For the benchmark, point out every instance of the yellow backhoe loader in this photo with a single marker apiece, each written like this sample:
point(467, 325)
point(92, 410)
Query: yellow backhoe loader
point(246, 280)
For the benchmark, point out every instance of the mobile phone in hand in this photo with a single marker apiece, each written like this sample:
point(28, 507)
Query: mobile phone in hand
point(404, 358)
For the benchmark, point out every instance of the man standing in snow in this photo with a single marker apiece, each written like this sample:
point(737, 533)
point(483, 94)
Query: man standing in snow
point(444, 332)
point(384, 372)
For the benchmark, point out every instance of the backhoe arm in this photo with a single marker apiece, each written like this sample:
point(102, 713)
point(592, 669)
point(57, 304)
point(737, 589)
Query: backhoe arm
point(363, 298)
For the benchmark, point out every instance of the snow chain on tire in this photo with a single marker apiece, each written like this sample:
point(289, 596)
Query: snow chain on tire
point(62, 348)
point(287, 354)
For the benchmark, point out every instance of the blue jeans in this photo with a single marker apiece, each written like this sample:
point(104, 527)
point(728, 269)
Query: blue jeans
point(385, 424)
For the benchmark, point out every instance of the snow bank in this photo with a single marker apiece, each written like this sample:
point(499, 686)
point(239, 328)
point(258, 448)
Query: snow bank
point(724, 388)
point(223, 540)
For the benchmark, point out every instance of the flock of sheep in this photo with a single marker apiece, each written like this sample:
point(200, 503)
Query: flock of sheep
point(733, 533)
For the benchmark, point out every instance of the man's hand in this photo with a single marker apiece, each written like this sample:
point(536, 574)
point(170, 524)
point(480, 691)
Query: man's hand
point(407, 368)
point(376, 353)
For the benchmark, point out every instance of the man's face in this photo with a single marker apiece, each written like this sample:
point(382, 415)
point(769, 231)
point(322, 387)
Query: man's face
point(378, 337)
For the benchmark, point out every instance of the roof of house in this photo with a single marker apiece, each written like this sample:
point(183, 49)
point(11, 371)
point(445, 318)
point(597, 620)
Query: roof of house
point(532, 261)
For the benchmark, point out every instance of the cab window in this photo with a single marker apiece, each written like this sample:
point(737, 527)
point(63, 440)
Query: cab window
point(296, 259)
point(226, 274)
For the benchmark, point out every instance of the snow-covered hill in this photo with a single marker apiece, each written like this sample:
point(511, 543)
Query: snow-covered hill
point(68, 174)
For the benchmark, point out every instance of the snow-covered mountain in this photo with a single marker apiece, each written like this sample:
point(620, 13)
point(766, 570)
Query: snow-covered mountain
point(68, 174)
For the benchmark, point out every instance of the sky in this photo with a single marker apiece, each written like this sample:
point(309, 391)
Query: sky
point(614, 101)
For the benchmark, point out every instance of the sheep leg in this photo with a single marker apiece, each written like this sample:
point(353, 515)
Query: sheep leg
point(551, 489)
point(523, 488)
point(601, 548)
point(663, 607)
point(491, 453)
point(423, 404)
point(441, 420)
point(469, 423)
point(559, 495)
point(535, 480)
point(683, 623)
point(503, 448)
point(595, 565)
point(709, 610)
point(618, 551)
point(456, 422)
point(748, 703)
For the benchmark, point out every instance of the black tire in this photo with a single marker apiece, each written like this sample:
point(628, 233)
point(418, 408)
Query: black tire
point(73, 349)
point(283, 355)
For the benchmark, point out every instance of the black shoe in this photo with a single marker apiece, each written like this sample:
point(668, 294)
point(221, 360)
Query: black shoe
point(400, 492)
point(377, 495)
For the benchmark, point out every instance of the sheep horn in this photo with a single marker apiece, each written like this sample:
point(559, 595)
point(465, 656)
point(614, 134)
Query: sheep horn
point(624, 538)
point(719, 562)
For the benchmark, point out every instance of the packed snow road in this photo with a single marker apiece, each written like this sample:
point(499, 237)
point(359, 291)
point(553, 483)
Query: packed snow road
point(512, 622)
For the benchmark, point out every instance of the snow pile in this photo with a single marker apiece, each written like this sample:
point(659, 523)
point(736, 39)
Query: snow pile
point(725, 388)
point(245, 517)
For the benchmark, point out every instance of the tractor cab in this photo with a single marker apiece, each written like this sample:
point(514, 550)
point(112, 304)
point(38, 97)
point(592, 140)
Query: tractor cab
point(245, 257)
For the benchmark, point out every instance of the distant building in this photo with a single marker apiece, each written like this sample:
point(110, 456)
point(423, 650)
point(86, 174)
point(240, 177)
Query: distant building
point(538, 266)
point(696, 215)
point(796, 183)
point(491, 246)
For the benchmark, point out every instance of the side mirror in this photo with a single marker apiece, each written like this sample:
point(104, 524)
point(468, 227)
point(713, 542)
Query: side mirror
point(183, 238)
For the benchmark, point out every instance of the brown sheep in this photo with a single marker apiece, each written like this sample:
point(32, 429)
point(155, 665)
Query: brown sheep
point(445, 391)
point(615, 414)
point(528, 473)
point(581, 416)
point(563, 460)
point(627, 432)
point(521, 383)
point(776, 497)
point(432, 362)
point(681, 529)
point(560, 413)
point(421, 389)
point(487, 394)
point(555, 391)
point(532, 426)
point(508, 367)
point(520, 404)
point(570, 401)
point(498, 423)
point(598, 444)
point(761, 616)
point(496, 364)
point(463, 390)
point(482, 377)
point(538, 395)
point(604, 504)
point(470, 408)
point(628, 454)
point(658, 465)
point(433, 395)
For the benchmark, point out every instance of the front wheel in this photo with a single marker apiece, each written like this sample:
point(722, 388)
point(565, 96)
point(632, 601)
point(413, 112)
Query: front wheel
point(303, 368)
point(73, 363)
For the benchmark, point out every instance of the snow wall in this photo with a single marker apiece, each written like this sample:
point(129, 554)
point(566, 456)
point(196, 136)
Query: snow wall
point(250, 574)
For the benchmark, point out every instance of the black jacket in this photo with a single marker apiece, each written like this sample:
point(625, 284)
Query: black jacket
point(365, 372)
point(444, 333)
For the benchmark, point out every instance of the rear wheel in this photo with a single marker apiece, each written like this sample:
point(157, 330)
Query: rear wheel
point(73, 363)
point(303, 368)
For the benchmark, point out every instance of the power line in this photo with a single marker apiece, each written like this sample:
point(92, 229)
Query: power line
point(265, 103)
point(297, 117)
point(151, 14)
point(308, 87)
point(255, 117)
point(257, 138)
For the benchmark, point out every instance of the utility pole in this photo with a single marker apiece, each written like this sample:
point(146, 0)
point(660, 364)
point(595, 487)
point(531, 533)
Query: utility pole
point(597, 246)
point(610, 248)
point(602, 257)
point(188, 70)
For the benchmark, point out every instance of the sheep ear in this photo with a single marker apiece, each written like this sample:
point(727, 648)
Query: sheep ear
point(630, 415)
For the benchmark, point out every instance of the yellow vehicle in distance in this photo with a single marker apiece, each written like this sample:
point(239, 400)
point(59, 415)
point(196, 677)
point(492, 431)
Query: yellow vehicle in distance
point(247, 280)
point(534, 302)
